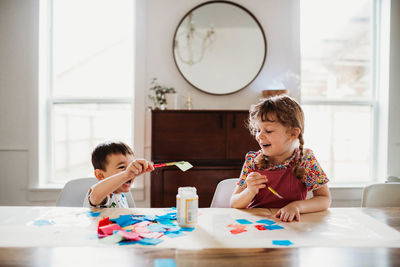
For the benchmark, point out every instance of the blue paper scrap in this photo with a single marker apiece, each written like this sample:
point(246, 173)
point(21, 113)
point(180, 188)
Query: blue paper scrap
point(164, 263)
point(265, 221)
point(150, 241)
point(155, 227)
point(244, 221)
point(187, 229)
point(174, 234)
point(127, 242)
point(273, 227)
point(94, 214)
point(43, 222)
point(125, 220)
point(282, 242)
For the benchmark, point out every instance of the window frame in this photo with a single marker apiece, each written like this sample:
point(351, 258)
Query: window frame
point(378, 162)
point(46, 100)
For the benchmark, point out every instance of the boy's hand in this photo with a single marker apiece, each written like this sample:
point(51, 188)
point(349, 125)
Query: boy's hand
point(289, 213)
point(255, 181)
point(138, 167)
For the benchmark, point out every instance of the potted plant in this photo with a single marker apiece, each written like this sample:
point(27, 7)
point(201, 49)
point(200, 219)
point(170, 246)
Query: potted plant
point(157, 94)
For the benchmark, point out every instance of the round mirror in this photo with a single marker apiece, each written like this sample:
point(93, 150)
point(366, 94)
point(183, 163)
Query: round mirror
point(219, 47)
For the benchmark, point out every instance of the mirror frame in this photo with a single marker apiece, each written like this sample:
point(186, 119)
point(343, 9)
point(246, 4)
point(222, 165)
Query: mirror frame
point(251, 15)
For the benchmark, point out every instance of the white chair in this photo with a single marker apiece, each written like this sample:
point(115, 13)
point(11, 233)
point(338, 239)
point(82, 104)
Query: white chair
point(393, 179)
point(381, 195)
point(223, 193)
point(75, 191)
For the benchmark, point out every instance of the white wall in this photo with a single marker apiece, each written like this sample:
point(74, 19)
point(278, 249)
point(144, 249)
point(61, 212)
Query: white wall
point(155, 26)
point(394, 93)
point(280, 21)
point(18, 82)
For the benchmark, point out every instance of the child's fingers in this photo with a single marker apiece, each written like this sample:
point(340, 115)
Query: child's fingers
point(262, 186)
point(291, 217)
point(297, 217)
point(150, 167)
point(137, 167)
point(278, 214)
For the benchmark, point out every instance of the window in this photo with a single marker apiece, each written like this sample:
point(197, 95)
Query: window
point(337, 86)
point(88, 82)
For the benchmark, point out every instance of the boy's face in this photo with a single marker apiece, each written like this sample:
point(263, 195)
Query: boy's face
point(117, 163)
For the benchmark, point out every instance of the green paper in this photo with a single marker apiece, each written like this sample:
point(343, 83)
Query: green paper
point(183, 165)
point(111, 239)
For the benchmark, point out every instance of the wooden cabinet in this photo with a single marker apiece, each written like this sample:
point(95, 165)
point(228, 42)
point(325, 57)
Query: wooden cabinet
point(213, 141)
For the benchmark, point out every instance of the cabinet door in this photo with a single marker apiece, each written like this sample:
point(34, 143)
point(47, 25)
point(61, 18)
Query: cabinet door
point(188, 136)
point(165, 183)
point(239, 140)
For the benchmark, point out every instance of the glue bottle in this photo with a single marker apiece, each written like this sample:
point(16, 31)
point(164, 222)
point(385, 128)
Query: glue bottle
point(187, 203)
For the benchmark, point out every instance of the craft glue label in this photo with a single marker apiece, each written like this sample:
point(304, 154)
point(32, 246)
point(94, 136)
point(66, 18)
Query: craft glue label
point(187, 203)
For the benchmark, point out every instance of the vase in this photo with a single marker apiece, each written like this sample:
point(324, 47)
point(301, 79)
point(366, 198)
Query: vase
point(172, 101)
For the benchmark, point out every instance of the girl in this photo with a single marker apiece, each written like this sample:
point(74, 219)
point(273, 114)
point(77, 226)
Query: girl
point(281, 164)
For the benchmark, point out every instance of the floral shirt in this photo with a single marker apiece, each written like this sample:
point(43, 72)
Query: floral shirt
point(112, 201)
point(315, 177)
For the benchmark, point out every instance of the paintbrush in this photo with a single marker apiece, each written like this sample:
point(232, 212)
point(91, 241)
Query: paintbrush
point(273, 191)
point(183, 165)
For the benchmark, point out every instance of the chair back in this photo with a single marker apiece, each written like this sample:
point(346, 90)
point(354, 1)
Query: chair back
point(223, 193)
point(75, 191)
point(381, 195)
point(393, 179)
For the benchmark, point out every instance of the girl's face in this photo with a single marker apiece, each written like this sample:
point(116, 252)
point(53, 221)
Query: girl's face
point(276, 141)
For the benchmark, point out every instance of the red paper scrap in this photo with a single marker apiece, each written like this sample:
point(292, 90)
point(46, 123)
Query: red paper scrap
point(260, 227)
point(237, 231)
point(109, 229)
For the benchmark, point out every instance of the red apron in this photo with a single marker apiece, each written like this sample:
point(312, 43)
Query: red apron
point(285, 183)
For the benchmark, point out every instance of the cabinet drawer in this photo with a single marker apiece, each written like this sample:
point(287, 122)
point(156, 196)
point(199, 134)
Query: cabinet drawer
point(193, 136)
point(165, 183)
point(239, 139)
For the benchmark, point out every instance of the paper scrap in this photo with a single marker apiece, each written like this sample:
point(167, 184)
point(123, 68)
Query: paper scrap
point(183, 165)
point(237, 231)
point(174, 234)
point(164, 263)
point(111, 239)
point(150, 241)
point(265, 221)
point(282, 242)
point(43, 222)
point(187, 229)
point(152, 235)
point(109, 229)
point(129, 235)
point(274, 227)
point(260, 227)
point(94, 214)
point(127, 242)
point(244, 221)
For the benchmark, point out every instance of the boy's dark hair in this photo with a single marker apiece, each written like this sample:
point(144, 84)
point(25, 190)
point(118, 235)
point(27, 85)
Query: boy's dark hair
point(102, 150)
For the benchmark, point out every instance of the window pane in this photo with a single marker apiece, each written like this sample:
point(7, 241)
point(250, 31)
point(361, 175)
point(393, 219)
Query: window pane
point(78, 128)
point(92, 48)
point(336, 49)
point(340, 136)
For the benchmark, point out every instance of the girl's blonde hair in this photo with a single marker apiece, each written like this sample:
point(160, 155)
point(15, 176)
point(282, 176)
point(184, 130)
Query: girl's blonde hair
point(287, 112)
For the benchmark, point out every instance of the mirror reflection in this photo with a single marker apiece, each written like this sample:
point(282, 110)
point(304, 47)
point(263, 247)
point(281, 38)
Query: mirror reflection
point(219, 47)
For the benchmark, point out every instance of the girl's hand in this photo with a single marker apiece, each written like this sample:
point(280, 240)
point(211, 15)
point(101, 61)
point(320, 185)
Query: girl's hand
point(138, 167)
point(289, 213)
point(255, 181)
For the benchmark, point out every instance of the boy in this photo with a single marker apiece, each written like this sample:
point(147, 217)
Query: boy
point(115, 168)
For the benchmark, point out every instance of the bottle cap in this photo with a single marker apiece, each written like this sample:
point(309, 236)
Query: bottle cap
point(187, 190)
